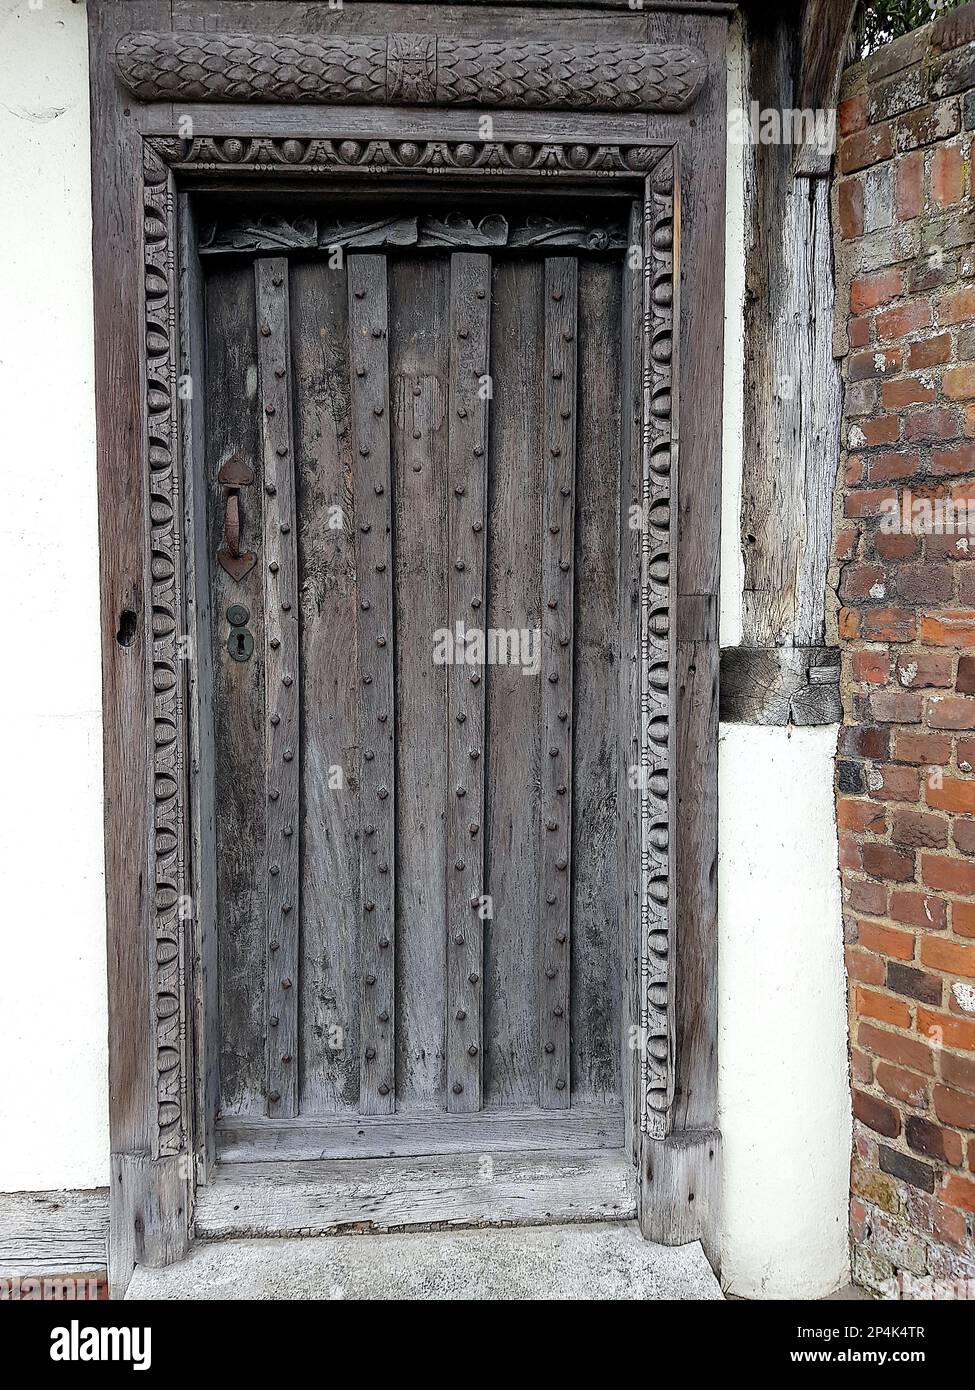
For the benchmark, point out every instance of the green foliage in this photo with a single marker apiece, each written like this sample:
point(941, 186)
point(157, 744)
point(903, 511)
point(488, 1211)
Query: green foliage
point(879, 21)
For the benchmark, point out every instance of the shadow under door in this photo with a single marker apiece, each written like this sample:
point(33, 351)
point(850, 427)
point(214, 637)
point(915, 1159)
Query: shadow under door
point(415, 519)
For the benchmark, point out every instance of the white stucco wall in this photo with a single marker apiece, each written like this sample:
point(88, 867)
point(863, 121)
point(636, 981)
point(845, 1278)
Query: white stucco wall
point(784, 1098)
point(53, 1100)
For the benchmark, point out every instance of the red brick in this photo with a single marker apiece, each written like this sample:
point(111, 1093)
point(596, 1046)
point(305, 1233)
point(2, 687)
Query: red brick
point(933, 424)
point(864, 968)
point(890, 625)
point(963, 832)
point(954, 795)
point(962, 916)
point(953, 957)
point(862, 1067)
point(951, 712)
point(926, 584)
point(959, 1192)
point(918, 910)
point(871, 667)
point(885, 429)
point(893, 467)
point(866, 147)
point(896, 707)
point(889, 545)
point(952, 628)
point(868, 366)
point(872, 291)
point(932, 1141)
point(850, 203)
point(877, 1115)
point(966, 753)
point(860, 332)
point(869, 501)
point(887, 941)
point(901, 1085)
point(848, 623)
point(944, 1030)
point(850, 855)
point(885, 862)
point(948, 876)
point(948, 463)
point(864, 741)
point(931, 352)
point(965, 679)
point(860, 816)
point(858, 580)
point(956, 307)
point(920, 670)
point(898, 395)
point(958, 383)
point(851, 115)
point(906, 1051)
point(906, 318)
point(846, 540)
point(868, 897)
point(954, 1107)
point(909, 188)
point(933, 750)
point(958, 1072)
point(919, 831)
point(897, 784)
point(946, 175)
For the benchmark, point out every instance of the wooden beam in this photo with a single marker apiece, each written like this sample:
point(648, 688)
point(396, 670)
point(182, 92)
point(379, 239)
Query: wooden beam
point(825, 38)
point(780, 685)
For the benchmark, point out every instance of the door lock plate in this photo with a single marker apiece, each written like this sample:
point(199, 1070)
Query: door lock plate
point(240, 643)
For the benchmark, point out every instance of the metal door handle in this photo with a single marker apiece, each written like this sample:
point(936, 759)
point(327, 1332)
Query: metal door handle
point(234, 474)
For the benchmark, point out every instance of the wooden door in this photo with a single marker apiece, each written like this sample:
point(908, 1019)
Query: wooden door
point(415, 517)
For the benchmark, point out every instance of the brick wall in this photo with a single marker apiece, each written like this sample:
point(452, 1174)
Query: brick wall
point(905, 245)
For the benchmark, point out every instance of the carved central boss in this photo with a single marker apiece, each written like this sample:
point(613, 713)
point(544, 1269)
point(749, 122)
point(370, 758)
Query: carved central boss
point(410, 70)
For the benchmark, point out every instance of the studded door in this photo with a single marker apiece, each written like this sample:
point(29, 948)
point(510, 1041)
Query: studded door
point(414, 458)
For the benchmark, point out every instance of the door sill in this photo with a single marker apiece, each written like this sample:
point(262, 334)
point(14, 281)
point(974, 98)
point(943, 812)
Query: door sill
point(333, 1196)
point(241, 1139)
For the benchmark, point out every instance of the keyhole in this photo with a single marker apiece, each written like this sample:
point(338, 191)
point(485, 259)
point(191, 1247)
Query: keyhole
point(240, 644)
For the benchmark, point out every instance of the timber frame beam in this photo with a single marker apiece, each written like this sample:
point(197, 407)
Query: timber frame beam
point(158, 138)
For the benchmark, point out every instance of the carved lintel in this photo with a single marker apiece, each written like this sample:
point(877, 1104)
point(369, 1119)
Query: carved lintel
point(410, 70)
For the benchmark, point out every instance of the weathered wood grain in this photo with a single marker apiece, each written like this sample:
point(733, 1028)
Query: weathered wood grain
point(418, 358)
point(780, 685)
point(282, 675)
point(328, 976)
point(262, 1199)
point(62, 1232)
point(369, 363)
point(238, 696)
point(513, 701)
point(430, 1132)
point(469, 333)
point(555, 768)
point(598, 740)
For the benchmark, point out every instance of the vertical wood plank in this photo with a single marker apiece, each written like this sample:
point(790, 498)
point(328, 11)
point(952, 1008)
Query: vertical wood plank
point(328, 983)
point(558, 517)
point(368, 354)
point(470, 309)
point(283, 766)
point(418, 291)
point(512, 702)
point(238, 697)
point(599, 742)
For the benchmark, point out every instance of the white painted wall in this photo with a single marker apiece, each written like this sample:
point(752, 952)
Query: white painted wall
point(784, 1100)
point(53, 1101)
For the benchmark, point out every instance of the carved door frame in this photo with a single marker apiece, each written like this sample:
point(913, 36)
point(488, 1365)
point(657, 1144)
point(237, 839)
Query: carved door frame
point(174, 112)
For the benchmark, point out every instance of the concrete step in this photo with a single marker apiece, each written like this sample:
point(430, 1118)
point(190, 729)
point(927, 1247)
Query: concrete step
point(584, 1261)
